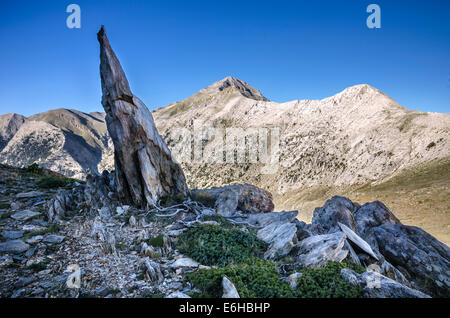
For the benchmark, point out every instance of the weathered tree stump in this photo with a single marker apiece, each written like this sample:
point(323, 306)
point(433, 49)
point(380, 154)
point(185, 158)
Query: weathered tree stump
point(144, 166)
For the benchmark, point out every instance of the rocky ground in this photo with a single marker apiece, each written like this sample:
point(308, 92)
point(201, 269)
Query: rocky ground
point(51, 226)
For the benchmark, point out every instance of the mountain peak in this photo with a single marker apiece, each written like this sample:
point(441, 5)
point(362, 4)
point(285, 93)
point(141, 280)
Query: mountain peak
point(243, 88)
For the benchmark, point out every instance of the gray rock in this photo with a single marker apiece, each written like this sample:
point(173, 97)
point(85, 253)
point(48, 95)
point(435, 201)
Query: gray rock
point(5, 261)
point(14, 246)
point(24, 215)
point(11, 235)
point(337, 209)
point(281, 238)
point(102, 291)
point(229, 290)
point(153, 270)
point(30, 252)
point(35, 239)
point(227, 202)
point(316, 251)
point(292, 280)
point(145, 168)
point(30, 194)
point(184, 262)
point(264, 219)
point(352, 236)
point(24, 282)
point(250, 199)
point(375, 285)
point(177, 294)
point(54, 239)
point(422, 258)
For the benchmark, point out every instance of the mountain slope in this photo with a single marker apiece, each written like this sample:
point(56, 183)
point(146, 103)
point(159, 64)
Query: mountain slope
point(356, 136)
point(66, 141)
point(353, 140)
point(9, 124)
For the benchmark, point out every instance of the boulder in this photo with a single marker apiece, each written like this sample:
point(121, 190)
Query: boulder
point(12, 235)
point(422, 258)
point(317, 250)
point(337, 209)
point(30, 194)
point(177, 294)
point(184, 262)
point(24, 215)
point(144, 166)
point(375, 285)
point(54, 239)
point(246, 198)
point(280, 236)
point(14, 246)
point(264, 219)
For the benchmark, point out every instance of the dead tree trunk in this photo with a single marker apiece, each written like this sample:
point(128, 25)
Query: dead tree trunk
point(145, 167)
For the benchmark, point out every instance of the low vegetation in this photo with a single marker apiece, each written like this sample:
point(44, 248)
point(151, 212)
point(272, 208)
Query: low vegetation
point(215, 245)
point(238, 256)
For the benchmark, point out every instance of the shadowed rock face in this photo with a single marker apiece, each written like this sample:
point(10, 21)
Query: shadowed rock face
point(145, 167)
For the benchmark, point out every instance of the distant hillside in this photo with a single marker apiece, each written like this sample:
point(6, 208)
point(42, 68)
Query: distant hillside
point(66, 141)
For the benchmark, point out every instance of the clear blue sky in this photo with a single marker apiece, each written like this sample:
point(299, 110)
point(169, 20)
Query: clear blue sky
point(171, 49)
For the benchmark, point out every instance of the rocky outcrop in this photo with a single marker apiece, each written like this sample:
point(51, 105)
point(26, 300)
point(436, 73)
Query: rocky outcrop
point(406, 253)
point(9, 125)
point(375, 285)
point(335, 210)
point(144, 166)
point(281, 237)
point(424, 260)
point(316, 251)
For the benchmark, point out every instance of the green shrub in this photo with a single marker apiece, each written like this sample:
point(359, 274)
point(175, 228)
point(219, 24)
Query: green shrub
point(259, 278)
point(4, 205)
point(34, 169)
point(37, 267)
point(171, 200)
point(6, 215)
point(157, 241)
point(50, 182)
point(326, 282)
point(215, 245)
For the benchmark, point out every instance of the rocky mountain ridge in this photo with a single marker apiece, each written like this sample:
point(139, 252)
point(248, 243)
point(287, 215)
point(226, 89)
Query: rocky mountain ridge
point(351, 144)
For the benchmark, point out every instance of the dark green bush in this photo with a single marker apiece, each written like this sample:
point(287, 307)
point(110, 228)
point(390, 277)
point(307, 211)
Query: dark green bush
point(215, 245)
point(327, 282)
point(50, 182)
point(259, 278)
point(34, 169)
point(4, 205)
point(171, 200)
point(157, 241)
